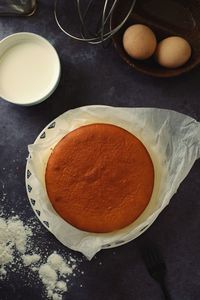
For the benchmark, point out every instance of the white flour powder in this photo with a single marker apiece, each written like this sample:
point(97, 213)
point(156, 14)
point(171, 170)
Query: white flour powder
point(53, 270)
point(13, 236)
point(30, 259)
point(51, 273)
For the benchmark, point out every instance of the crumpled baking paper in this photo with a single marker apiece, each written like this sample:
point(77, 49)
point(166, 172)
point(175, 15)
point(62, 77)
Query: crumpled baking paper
point(172, 139)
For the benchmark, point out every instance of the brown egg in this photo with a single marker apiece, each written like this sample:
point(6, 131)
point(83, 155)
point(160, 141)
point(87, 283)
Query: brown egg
point(173, 52)
point(139, 41)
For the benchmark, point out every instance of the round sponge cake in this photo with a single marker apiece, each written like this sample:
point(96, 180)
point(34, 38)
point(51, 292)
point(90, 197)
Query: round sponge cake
point(99, 178)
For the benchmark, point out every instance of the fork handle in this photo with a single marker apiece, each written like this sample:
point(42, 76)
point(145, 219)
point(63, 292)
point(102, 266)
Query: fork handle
point(165, 291)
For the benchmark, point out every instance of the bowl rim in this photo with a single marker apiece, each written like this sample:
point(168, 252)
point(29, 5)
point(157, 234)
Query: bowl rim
point(19, 36)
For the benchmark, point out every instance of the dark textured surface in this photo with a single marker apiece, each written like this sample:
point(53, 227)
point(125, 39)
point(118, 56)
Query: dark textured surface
point(93, 75)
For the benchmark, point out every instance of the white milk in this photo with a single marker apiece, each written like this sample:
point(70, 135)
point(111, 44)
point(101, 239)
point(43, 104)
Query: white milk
point(27, 71)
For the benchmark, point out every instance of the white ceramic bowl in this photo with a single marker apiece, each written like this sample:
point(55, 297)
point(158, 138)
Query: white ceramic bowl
point(29, 69)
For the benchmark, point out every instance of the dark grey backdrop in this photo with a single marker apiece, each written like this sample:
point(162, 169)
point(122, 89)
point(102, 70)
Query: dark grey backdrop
point(93, 75)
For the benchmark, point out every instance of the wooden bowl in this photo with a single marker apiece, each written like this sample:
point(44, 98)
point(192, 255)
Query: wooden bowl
point(166, 18)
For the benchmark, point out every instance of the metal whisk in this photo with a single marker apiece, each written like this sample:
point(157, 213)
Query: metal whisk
point(94, 18)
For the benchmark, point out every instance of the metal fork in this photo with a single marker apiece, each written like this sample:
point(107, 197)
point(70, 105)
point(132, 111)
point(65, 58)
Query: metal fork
point(156, 267)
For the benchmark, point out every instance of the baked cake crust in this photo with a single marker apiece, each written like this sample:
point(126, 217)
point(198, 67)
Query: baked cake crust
point(99, 178)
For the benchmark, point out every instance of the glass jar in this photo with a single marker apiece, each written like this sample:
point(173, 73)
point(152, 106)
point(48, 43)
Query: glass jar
point(17, 7)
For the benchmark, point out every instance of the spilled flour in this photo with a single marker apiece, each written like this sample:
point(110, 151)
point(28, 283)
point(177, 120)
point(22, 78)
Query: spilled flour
point(17, 251)
point(13, 236)
point(49, 273)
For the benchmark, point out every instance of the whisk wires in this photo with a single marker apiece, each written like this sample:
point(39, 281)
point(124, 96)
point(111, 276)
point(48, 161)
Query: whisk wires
point(102, 31)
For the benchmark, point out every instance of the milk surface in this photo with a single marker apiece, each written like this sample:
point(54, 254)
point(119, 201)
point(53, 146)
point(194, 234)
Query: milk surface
point(27, 71)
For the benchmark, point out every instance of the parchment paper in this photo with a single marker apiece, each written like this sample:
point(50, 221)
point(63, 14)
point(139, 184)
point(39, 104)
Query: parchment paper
point(172, 139)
